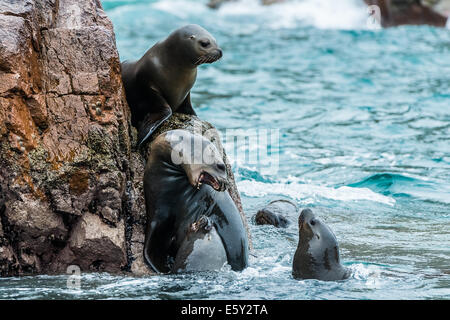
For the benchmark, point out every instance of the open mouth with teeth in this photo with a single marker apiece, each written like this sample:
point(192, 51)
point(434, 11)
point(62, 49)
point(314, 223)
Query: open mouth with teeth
point(206, 178)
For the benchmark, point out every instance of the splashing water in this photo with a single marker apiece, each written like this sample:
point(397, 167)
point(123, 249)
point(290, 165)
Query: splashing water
point(364, 123)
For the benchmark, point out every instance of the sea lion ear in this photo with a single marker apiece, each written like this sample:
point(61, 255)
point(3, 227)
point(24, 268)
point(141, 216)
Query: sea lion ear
point(192, 37)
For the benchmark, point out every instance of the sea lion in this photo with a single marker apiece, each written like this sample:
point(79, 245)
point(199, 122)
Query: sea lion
point(160, 82)
point(276, 213)
point(317, 254)
point(184, 180)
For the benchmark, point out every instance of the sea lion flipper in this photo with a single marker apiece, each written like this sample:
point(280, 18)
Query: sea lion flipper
point(153, 120)
point(231, 230)
point(186, 106)
point(236, 247)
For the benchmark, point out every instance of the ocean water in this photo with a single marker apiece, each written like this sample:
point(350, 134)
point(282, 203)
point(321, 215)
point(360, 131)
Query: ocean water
point(361, 120)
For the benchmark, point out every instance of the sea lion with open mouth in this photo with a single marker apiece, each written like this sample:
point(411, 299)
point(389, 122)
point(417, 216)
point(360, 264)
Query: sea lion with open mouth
point(190, 216)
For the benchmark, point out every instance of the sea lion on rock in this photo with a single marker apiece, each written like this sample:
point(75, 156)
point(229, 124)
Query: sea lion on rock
point(276, 213)
point(317, 255)
point(160, 82)
point(184, 183)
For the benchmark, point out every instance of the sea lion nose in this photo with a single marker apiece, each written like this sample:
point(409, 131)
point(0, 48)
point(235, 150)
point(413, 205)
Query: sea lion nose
point(220, 52)
point(305, 214)
point(221, 167)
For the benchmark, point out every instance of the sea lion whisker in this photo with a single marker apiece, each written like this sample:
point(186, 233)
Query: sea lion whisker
point(198, 60)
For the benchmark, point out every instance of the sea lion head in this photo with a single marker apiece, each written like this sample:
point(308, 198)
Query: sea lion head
point(317, 234)
point(317, 255)
point(199, 45)
point(276, 213)
point(199, 158)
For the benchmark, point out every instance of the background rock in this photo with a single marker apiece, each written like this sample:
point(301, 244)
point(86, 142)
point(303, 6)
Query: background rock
point(70, 183)
point(215, 4)
point(413, 12)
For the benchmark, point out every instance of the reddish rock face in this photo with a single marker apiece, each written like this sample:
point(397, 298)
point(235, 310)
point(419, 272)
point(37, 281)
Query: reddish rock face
point(71, 190)
point(65, 139)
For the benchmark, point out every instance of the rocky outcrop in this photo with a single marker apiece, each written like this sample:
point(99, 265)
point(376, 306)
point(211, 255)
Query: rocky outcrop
point(414, 12)
point(65, 138)
point(71, 189)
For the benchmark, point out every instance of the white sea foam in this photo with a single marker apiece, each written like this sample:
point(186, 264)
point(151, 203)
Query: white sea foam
point(181, 8)
point(326, 14)
point(308, 193)
point(371, 274)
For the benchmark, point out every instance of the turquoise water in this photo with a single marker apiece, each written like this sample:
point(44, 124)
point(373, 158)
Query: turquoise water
point(363, 118)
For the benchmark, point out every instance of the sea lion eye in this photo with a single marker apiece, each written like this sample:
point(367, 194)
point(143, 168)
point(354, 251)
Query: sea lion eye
point(312, 222)
point(204, 43)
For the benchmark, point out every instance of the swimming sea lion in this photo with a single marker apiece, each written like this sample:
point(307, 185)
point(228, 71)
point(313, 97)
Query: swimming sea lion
point(317, 255)
point(276, 213)
point(160, 82)
point(185, 180)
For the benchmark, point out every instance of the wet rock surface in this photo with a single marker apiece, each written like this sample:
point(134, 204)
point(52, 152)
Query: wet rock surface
point(71, 188)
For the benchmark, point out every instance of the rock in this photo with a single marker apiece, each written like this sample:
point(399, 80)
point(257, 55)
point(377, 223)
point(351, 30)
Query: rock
point(139, 267)
point(71, 189)
point(215, 4)
point(61, 162)
point(412, 12)
point(8, 261)
point(101, 247)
